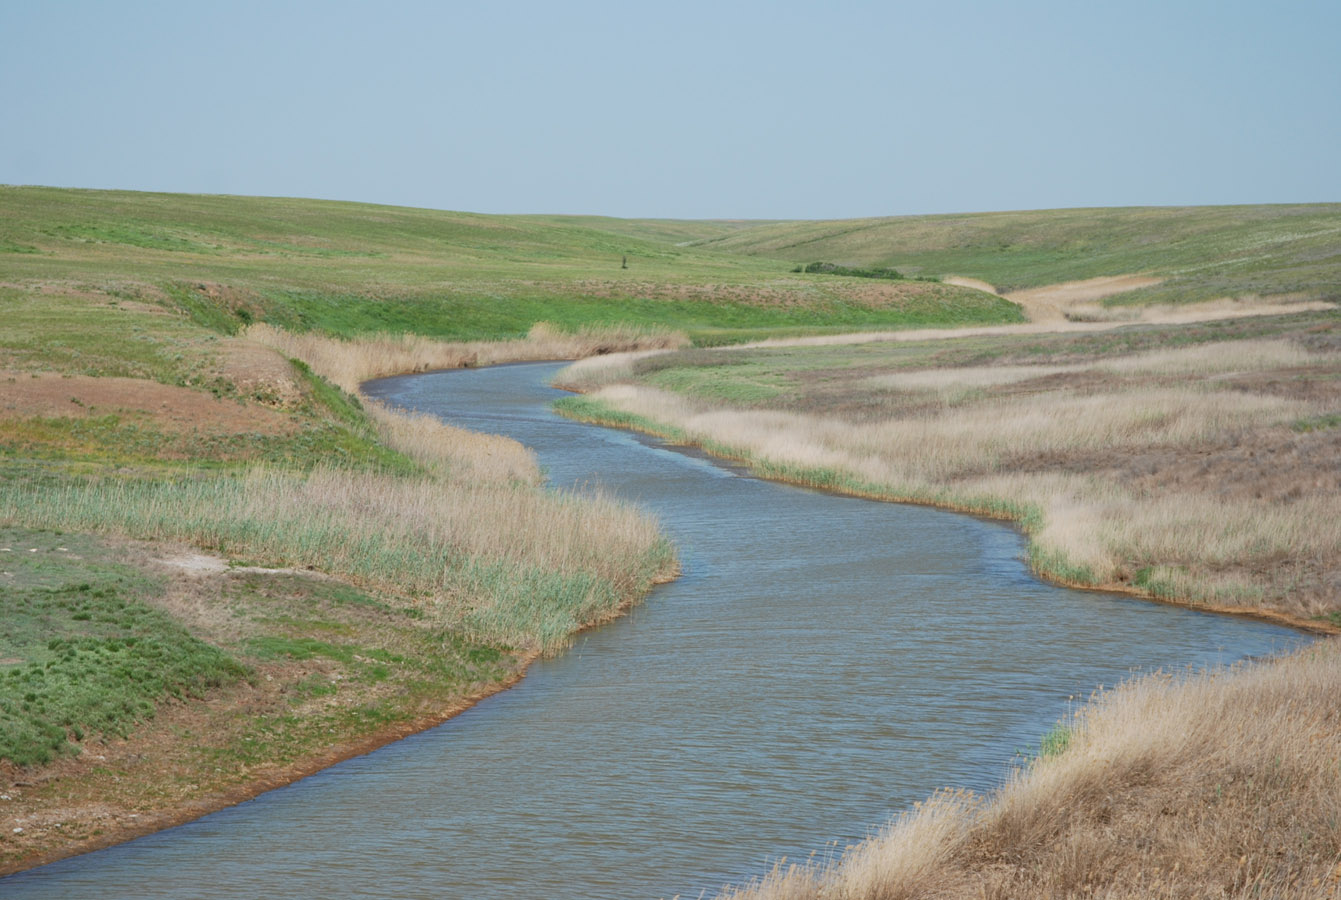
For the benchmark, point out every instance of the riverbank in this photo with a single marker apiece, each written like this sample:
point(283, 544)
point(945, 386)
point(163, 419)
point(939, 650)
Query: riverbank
point(181, 373)
point(1190, 464)
point(597, 413)
point(1215, 784)
point(1220, 783)
point(341, 606)
point(348, 672)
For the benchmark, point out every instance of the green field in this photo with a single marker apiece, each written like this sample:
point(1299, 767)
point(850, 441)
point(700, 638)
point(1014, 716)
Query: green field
point(1203, 252)
point(347, 269)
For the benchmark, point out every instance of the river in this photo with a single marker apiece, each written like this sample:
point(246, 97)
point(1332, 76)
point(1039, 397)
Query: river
point(823, 663)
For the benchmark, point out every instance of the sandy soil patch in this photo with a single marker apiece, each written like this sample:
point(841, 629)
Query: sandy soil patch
point(1051, 302)
point(258, 371)
point(204, 564)
point(975, 283)
point(1059, 302)
point(168, 407)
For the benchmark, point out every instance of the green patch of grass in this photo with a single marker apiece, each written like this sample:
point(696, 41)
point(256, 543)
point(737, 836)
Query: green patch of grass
point(340, 405)
point(461, 315)
point(203, 311)
point(73, 335)
point(1056, 741)
point(1203, 252)
point(351, 269)
point(118, 441)
point(1056, 565)
point(732, 384)
point(315, 594)
point(273, 646)
point(84, 655)
point(136, 235)
point(828, 268)
point(1318, 423)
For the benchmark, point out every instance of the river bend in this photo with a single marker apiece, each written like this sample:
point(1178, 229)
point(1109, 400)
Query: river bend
point(823, 663)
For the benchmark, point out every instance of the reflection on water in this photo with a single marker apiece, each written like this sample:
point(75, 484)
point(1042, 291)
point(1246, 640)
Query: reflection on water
point(823, 663)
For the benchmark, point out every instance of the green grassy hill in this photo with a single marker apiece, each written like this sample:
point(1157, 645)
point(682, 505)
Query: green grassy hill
point(348, 268)
point(1203, 252)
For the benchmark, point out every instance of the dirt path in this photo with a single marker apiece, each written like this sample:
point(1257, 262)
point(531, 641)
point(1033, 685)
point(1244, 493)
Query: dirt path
point(1187, 314)
point(976, 284)
point(1053, 302)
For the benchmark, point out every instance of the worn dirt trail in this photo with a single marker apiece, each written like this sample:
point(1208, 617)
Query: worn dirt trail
point(1070, 307)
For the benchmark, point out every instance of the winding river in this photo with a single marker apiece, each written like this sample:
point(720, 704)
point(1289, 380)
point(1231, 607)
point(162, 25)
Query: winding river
point(823, 663)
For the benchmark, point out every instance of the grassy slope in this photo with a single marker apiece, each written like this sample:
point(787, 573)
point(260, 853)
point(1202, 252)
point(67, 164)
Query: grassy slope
point(346, 268)
point(1204, 252)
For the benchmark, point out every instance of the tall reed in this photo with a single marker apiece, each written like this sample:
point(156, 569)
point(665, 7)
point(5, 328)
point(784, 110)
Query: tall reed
point(508, 563)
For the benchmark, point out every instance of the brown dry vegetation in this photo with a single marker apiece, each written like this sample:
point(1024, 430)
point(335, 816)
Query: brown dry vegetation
point(1192, 473)
point(1198, 464)
point(166, 407)
point(777, 293)
point(1221, 784)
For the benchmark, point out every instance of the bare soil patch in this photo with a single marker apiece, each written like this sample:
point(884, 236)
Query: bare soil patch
point(170, 408)
point(258, 372)
point(1051, 302)
point(976, 284)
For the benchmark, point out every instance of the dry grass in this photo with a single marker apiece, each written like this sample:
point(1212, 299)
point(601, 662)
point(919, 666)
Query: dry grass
point(474, 539)
point(504, 563)
point(920, 452)
point(1141, 469)
point(1203, 360)
point(467, 456)
point(349, 363)
point(1183, 314)
point(599, 371)
point(1219, 784)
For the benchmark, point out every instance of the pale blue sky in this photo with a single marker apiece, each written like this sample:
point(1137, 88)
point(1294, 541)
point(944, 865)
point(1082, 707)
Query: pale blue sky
point(694, 110)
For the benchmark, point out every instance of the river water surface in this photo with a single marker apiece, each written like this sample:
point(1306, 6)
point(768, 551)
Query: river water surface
point(823, 663)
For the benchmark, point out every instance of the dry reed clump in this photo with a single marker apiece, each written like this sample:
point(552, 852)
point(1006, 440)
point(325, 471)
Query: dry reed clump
point(458, 453)
point(599, 371)
point(1217, 784)
point(349, 363)
point(944, 444)
point(505, 563)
